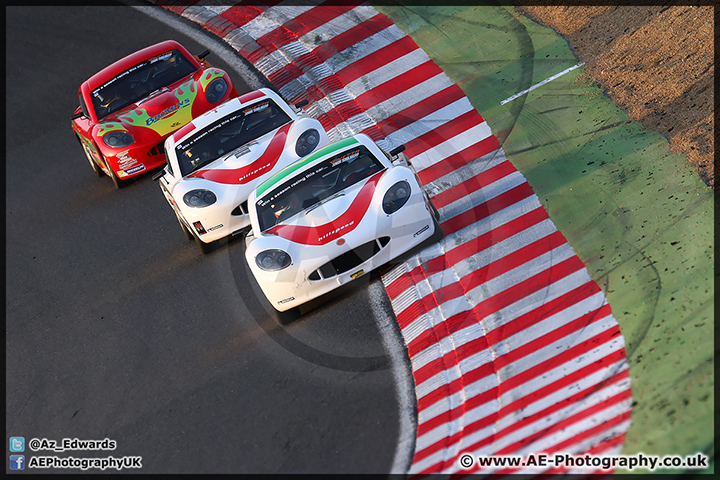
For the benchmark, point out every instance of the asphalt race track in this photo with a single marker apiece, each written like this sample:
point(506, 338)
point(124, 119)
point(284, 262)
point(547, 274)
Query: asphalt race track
point(118, 327)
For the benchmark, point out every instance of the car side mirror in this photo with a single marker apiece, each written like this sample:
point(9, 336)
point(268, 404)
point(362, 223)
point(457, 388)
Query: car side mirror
point(301, 103)
point(203, 54)
point(397, 150)
point(77, 115)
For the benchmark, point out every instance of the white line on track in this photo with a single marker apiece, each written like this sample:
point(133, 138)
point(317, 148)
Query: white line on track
point(404, 384)
point(557, 75)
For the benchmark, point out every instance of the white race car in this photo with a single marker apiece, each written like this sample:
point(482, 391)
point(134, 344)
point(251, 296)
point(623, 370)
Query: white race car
point(216, 160)
point(335, 215)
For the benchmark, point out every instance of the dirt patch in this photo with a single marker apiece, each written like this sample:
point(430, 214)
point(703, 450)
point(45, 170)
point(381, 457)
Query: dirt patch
point(655, 62)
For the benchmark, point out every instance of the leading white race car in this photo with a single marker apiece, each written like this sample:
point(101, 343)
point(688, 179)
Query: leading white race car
point(336, 215)
point(216, 160)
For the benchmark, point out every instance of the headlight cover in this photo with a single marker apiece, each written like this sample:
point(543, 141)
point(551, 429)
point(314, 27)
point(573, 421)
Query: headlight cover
point(307, 142)
point(396, 197)
point(273, 260)
point(199, 198)
point(215, 91)
point(118, 139)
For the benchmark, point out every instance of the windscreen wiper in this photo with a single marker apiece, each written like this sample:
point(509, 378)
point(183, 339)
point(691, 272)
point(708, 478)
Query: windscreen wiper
point(325, 200)
point(156, 92)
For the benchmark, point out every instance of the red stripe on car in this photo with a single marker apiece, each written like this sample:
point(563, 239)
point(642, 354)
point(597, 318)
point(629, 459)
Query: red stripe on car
point(265, 163)
point(250, 96)
point(326, 233)
point(182, 131)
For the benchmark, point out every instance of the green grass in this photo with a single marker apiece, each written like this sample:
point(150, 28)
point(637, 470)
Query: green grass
point(638, 217)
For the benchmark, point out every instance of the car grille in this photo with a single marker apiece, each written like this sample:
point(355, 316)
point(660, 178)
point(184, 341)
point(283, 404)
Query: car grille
point(349, 260)
point(158, 149)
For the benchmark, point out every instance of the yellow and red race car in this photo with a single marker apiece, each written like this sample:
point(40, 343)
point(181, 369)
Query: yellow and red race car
point(129, 108)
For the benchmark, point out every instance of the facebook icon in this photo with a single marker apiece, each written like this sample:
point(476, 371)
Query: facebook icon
point(17, 462)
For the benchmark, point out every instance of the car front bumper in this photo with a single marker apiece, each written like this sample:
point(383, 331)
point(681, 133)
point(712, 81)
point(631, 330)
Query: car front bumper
point(303, 280)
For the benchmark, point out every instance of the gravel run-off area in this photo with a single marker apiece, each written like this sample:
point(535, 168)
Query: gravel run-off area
point(655, 62)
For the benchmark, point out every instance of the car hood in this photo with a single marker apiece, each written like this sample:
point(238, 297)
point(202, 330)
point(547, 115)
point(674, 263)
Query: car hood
point(249, 162)
point(333, 218)
point(165, 111)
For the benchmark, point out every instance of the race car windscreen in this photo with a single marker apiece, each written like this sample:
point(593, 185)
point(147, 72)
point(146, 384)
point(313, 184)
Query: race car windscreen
point(229, 134)
point(315, 185)
point(140, 81)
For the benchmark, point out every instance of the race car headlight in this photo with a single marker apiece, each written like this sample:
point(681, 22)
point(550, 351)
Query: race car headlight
point(216, 90)
point(118, 139)
point(307, 142)
point(396, 197)
point(273, 260)
point(199, 198)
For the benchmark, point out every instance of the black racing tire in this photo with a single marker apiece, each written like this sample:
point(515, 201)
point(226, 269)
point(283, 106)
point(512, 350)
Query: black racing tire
point(116, 181)
point(205, 248)
point(288, 316)
point(188, 234)
point(93, 164)
point(436, 214)
point(438, 234)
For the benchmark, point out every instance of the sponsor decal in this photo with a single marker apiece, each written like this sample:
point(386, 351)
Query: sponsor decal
point(215, 227)
point(333, 232)
point(125, 160)
point(421, 230)
point(198, 226)
point(127, 164)
point(243, 151)
point(254, 173)
point(162, 56)
point(286, 300)
point(167, 112)
point(257, 108)
point(138, 168)
point(346, 158)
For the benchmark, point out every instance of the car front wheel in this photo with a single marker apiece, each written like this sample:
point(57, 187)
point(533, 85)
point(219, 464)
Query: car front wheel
point(116, 181)
point(434, 212)
point(205, 248)
point(96, 168)
point(188, 234)
point(288, 316)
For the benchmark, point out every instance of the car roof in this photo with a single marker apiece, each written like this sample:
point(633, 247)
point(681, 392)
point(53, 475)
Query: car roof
point(305, 163)
point(133, 59)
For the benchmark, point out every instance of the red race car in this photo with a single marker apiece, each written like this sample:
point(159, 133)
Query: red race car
point(128, 109)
